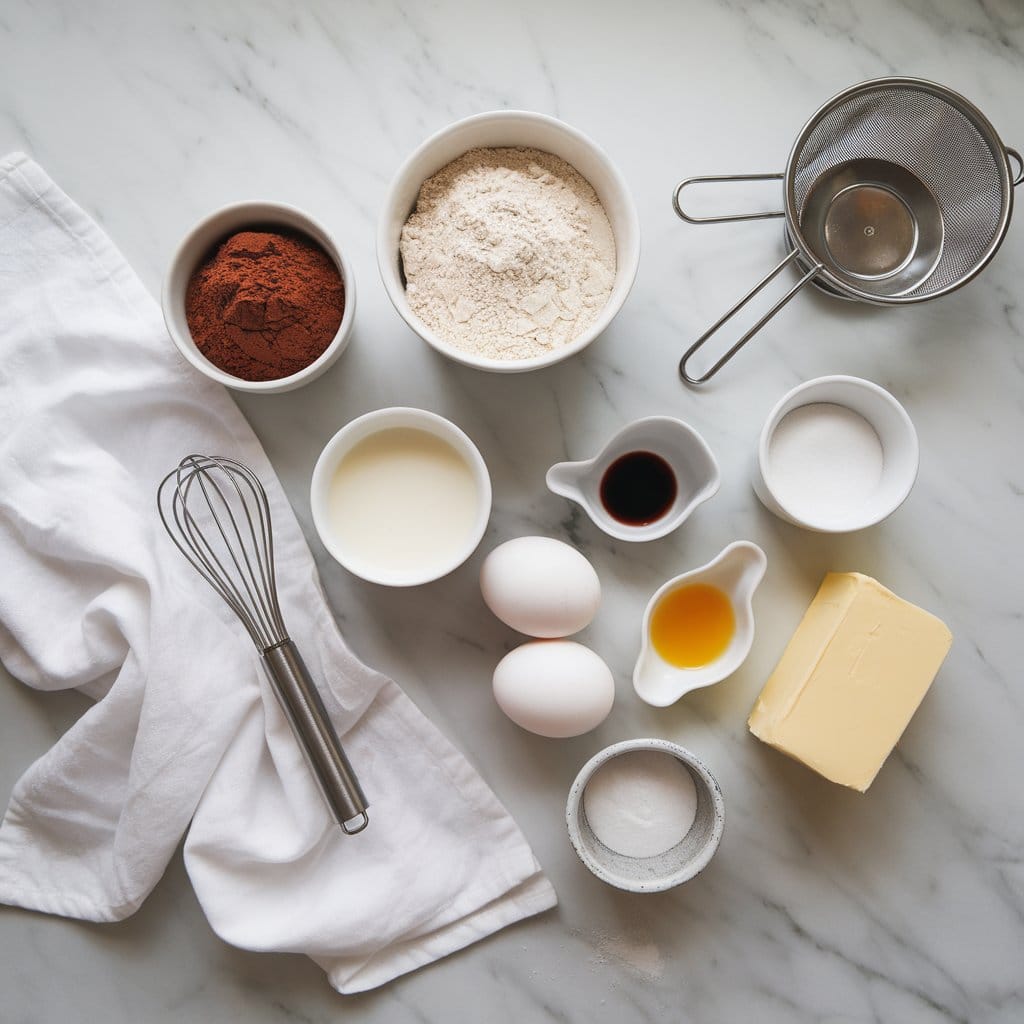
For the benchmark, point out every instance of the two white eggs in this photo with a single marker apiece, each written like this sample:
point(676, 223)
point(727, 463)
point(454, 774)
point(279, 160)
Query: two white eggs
point(550, 686)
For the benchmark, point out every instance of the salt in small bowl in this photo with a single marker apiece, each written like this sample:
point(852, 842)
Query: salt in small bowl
point(683, 861)
point(686, 452)
point(736, 571)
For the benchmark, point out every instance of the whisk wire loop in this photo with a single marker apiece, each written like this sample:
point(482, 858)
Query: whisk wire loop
point(221, 524)
point(253, 580)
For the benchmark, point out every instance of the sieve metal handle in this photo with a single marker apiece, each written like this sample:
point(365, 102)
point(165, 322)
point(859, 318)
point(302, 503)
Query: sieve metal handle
point(764, 282)
point(727, 218)
point(1019, 176)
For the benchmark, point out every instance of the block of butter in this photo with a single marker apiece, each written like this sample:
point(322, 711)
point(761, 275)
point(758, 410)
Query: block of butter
point(850, 679)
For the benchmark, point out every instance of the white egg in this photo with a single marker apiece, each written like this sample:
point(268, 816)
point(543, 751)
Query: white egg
point(555, 688)
point(540, 587)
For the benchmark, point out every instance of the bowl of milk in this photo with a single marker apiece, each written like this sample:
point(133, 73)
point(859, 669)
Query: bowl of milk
point(400, 497)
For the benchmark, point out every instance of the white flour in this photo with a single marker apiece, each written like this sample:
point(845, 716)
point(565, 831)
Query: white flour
point(635, 951)
point(508, 254)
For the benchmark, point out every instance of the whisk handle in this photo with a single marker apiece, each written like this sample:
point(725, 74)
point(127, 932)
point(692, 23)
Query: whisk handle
point(307, 716)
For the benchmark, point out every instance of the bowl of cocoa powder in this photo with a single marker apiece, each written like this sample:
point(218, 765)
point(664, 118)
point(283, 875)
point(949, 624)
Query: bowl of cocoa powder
point(259, 297)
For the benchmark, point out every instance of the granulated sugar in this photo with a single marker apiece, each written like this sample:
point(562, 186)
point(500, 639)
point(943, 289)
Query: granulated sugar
point(509, 253)
point(824, 459)
point(641, 803)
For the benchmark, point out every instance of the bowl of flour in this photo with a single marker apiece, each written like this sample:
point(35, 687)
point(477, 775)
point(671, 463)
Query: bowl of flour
point(508, 241)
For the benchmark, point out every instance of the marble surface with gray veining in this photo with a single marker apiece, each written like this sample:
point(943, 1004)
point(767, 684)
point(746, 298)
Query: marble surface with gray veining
point(903, 905)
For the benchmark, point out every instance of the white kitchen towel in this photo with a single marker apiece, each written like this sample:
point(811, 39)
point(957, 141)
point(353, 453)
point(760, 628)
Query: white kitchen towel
point(95, 405)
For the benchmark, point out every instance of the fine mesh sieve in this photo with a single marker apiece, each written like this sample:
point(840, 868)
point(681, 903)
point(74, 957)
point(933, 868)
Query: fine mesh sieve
point(897, 190)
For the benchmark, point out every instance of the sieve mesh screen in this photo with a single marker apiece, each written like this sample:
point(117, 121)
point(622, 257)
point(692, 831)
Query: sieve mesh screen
point(938, 142)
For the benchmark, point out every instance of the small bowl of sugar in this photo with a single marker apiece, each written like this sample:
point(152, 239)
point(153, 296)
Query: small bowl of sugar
point(645, 815)
point(836, 454)
point(508, 241)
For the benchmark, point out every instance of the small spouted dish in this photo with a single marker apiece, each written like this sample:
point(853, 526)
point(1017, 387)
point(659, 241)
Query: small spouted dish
point(645, 482)
point(699, 627)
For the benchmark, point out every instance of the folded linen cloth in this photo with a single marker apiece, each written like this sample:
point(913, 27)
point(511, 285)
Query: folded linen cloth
point(95, 405)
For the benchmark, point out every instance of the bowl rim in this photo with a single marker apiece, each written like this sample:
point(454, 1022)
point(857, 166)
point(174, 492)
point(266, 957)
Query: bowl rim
point(574, 805)
point(262, 210)
point(776, 416)
point(344, 439)
point(625, 274)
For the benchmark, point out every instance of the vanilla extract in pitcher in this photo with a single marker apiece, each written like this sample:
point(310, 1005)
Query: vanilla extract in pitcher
point(638, 488)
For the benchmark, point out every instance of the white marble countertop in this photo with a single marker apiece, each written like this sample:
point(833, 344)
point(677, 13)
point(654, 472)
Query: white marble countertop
point(906, 904)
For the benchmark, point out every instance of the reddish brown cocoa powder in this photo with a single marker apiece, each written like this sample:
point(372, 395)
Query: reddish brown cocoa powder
point(264, 304)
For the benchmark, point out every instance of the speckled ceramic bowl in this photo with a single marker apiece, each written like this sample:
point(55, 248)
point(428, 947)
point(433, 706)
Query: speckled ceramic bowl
point(649, 874)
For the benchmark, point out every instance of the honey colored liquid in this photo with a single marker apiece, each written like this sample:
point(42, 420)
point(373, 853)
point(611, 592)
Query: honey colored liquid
point(693, 625)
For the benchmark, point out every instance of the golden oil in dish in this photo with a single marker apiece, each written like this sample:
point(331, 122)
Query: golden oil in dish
point(692, 626)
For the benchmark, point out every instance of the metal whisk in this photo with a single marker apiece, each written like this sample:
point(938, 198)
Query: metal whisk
point(217, 513)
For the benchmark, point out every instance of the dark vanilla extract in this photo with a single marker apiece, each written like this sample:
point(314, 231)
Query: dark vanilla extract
point(638, 488)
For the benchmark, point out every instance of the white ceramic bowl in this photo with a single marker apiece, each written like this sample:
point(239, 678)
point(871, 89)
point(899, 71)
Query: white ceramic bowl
point(736, 571)
point(900, 454)
point(694, 467)
point(197, 244)
point(509, 128)
point(649, 874)
point(343, 442)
